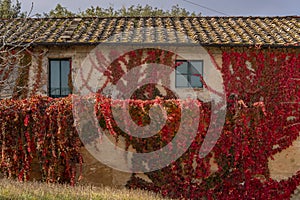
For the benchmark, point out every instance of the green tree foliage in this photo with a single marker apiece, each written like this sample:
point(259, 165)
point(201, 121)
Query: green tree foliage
point(98, 12)
point(10, 10)
point(132, 11)
point(59, 11)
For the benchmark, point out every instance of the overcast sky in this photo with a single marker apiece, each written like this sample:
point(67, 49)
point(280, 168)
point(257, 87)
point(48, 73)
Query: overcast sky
point(229, 7)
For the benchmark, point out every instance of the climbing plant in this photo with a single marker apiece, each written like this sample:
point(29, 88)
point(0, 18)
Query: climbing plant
point(262, 119)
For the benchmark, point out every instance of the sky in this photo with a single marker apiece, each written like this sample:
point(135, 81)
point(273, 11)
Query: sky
point(205, 7)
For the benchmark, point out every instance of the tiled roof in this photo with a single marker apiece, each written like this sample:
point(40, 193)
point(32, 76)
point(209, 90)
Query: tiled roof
point(270, 31)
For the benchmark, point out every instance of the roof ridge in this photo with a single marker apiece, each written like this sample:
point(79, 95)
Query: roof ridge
point(132, 17)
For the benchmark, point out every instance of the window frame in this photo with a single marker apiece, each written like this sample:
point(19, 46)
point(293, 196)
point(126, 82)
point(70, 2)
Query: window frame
point(60, 77)
point(188, 74)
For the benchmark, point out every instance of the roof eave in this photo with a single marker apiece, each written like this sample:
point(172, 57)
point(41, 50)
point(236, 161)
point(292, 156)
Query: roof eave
point(167, 44)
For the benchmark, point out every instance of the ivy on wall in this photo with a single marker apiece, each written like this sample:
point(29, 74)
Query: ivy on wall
point(42, 128)
point(263, 96)
point(15, 67)
point(21, 86)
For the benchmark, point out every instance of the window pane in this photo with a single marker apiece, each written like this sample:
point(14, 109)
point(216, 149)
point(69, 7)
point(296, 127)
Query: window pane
point(54, 78)
point(195, 81)
point(59, 78)
point(181, 81)
point(65, 70)
point(196, 67)
point(183, 68)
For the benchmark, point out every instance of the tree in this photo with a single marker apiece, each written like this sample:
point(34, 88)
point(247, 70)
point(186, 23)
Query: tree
point(15, 57)
point(177, 11)
point(132, 11)
point(99, 12)
point(10, 10)
point(59, 11)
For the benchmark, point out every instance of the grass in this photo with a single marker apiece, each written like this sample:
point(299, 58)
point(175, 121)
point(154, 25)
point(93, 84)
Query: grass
point(10, 189)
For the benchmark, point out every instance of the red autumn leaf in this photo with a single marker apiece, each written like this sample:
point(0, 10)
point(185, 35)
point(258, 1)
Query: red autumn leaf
point(26, 120)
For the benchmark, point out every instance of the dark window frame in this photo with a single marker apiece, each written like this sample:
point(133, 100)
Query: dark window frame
point(188, 74)
point(60, 78)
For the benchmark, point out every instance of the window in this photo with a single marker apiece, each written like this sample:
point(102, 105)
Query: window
point(59, 74)
point(187, 74)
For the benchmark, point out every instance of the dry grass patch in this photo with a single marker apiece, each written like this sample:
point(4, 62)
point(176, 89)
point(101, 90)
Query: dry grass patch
point(10, 189)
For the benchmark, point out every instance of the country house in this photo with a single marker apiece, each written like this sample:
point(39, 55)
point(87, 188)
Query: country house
point(46, 55)
point(56, 47)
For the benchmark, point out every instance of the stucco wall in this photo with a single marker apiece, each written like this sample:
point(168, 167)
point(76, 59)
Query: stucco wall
point(79, 53)
point(284, 164)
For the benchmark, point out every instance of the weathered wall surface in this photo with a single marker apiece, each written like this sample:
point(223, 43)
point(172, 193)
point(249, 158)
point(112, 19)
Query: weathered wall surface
point(96, 173)
point(79, 53)
point(76, 54)
point(284, 164)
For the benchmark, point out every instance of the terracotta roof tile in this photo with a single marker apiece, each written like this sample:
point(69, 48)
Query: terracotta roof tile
point(271, 31)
